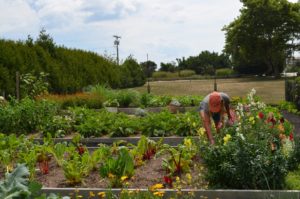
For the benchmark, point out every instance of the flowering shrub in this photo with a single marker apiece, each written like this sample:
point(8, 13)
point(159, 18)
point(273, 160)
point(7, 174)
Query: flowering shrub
point(255, 152)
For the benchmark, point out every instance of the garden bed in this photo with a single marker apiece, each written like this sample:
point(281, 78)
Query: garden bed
point(94, 142)
point(145, 176)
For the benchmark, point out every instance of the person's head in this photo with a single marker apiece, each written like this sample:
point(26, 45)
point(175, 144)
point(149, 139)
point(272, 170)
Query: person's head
point(215, 102)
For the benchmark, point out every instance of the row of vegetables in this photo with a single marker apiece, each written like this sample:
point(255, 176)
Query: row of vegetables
point(29, 116)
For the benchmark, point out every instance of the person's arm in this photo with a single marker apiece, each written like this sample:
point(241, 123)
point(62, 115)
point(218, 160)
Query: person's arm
point(228, 110)
point(206, 122)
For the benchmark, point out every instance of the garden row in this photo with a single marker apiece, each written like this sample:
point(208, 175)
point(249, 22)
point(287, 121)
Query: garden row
point(30, 116)
point(100, 96)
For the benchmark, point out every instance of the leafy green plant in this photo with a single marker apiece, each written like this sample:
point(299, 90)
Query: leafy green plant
point(159, 124)
point(59, 126)
point(76, 167)
point(25, 116)
point(32, 85)
point(145, 150)
point(188, 124)
point(124, 126)
point(180, 158)
point(15, 184)
point(116, 167)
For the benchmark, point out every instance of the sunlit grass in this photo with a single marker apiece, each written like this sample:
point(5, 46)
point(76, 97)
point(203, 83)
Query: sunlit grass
point(270, 91)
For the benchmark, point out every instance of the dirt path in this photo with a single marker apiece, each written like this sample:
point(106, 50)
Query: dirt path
point(294, 119)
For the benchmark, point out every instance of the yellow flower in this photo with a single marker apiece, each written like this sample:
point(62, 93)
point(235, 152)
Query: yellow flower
point(189, 178)
point(177, 179)
point(101, 194)
point(194, 124)
point(156, 186)
point(110, 175)
point(188, 142)
point(226, 138)
point(123, 178)
point(280, 128)
point(159, 193)
point(92, 194)
point(201, 131)
point(252, 120)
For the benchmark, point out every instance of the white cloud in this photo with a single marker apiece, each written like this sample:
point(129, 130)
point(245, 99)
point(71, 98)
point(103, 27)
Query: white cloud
point(165, 29)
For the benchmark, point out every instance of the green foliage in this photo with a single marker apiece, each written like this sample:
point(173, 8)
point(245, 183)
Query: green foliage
point(260, 39)
point(292, 180)
point(188, 124)
point(148, 68)
point(186, 73)
point(26, 116)
point(289, 106)
point(76, 167)
point(254, 153)
point(70, 70)
point(224, 72)
point(32, 86)
point(127, 98)
point(164, 74)
point(179, 159)
point(58, 126)
point(159, 125)
point(131, 74)
point(116, 167)
point(204, 63)
point(124, 126)
point(15, 184)
point(94, 123)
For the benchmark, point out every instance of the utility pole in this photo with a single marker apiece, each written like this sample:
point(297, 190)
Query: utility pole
point(117, 42)
point(148, 76)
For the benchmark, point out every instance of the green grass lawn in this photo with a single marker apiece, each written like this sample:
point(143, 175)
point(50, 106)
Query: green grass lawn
point(270, 91)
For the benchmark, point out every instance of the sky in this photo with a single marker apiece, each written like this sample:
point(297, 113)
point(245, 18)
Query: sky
point(162, 29)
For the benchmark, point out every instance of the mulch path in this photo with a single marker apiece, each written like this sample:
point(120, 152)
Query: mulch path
point(294, 119)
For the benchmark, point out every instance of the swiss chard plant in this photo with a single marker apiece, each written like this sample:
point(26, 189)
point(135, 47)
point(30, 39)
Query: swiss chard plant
point(121, 164)
point(179, 160)
point(145, 150)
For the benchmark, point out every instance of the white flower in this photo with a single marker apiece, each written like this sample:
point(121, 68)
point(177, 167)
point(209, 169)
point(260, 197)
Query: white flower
point(241, 136)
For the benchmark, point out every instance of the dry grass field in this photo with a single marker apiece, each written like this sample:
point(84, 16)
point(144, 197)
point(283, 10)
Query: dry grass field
point(270, 91)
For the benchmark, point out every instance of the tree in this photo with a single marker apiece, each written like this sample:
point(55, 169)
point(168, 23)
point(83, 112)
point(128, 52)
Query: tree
point(259, 40)
point(46, 42)
point(168, 67)
point(132, 73)
point(205, 62)
point(148, 67)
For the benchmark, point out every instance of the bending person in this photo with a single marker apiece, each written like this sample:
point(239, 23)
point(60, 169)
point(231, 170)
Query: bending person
point(214, 106)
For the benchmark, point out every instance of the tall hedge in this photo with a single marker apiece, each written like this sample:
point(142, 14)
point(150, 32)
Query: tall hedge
point(70, 70)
